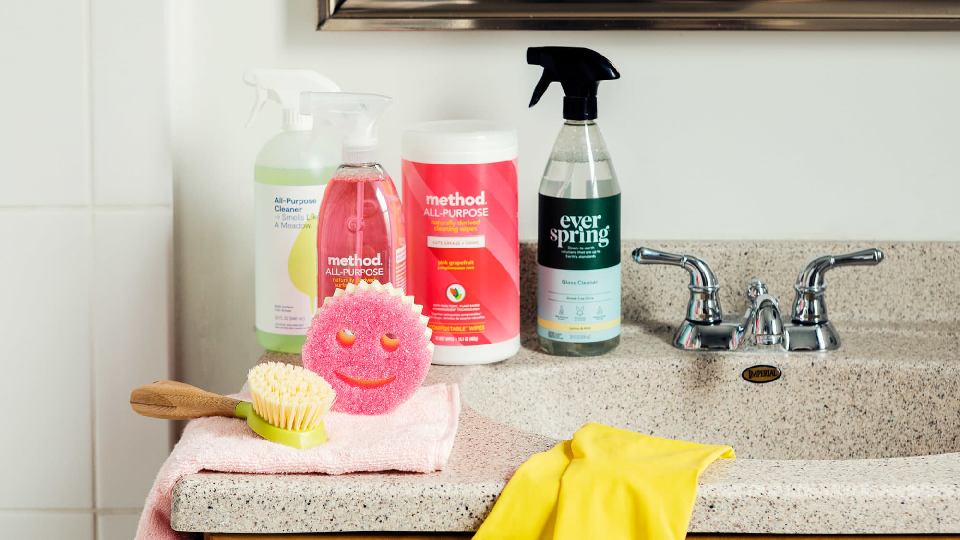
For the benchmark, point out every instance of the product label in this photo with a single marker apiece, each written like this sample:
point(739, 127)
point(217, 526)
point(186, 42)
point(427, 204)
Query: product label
point(341, 271)
point(285, 243)
point(351, 268)
point(578, 281)
point(461, 223)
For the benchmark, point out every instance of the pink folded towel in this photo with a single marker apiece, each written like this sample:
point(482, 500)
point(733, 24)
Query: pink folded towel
point(416, 437)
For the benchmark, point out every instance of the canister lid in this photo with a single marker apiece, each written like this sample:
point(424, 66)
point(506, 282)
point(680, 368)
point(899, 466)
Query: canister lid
point(459, 141)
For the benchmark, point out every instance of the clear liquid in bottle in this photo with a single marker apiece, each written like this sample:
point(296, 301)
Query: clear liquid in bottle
point(578, 287)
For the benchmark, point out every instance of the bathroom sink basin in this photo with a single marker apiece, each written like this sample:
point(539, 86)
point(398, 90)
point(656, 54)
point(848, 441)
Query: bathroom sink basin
point(886, 393)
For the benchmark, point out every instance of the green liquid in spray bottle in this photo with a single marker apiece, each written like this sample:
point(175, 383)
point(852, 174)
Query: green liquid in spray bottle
point(290, 175)
point(301, 259)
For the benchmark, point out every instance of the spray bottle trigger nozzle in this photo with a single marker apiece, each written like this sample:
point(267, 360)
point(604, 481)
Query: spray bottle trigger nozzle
point(259, 102)
point(579, 71)
point(284, 87)
point(542, 86)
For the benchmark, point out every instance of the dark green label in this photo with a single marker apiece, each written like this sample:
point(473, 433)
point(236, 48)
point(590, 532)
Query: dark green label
point(579, 234)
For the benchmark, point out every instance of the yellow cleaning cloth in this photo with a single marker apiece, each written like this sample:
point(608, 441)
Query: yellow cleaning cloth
point(605, 483)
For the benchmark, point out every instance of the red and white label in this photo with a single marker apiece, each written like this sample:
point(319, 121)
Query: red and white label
point(463, 249)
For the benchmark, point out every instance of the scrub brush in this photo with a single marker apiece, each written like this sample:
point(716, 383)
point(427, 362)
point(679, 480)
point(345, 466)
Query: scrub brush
point(287, 404)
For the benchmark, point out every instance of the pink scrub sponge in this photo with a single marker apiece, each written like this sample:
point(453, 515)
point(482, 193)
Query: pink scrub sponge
point(373, 346)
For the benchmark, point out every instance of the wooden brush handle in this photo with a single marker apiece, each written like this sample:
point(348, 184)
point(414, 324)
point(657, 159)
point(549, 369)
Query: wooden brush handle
point(179, 401)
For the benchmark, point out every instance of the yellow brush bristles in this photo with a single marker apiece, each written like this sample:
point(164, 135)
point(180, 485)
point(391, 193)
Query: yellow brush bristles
point(289, 397)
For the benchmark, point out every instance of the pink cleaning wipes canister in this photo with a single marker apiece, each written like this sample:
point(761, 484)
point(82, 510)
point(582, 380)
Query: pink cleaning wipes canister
point(460, 214)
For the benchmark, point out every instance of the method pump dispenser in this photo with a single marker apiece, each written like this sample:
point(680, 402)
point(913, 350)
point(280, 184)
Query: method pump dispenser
point(290, 174)
point(361, 235)
point(578, 254)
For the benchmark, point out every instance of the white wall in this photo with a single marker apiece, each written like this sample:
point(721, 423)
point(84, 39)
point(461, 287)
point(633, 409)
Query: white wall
point(86, 237)
point(714, 135)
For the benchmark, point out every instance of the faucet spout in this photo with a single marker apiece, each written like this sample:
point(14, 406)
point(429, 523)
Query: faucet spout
point(767, 326)
point(763, 315)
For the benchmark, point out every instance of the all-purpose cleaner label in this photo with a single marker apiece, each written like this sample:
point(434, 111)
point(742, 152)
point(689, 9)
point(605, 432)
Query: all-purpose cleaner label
point(464, 245)
point(285, 242)
point(342, 271)
point(578, 289)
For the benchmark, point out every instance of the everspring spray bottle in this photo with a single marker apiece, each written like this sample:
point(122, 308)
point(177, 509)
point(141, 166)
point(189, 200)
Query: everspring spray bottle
point(578, 254)
point(290, 174)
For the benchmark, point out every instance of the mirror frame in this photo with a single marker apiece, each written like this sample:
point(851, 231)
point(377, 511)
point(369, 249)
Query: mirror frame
point(824, 15)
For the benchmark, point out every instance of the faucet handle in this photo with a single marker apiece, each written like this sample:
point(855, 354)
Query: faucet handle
point(701, 275)
point(704, 305)
point(809, 306)
point(811, 277)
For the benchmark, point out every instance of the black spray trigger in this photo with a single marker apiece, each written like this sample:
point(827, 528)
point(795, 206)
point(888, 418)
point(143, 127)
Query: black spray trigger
point(542, 86)
point(579, 71)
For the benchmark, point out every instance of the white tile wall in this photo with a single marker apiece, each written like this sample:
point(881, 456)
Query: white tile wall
point(47, 525)
point(117, 526)
point(86, 274)
point(45, 150)
point(130, 81)
point(132, 346)
point(46, 321)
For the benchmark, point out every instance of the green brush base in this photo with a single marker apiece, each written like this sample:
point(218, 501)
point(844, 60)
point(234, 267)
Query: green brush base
point(289, 437)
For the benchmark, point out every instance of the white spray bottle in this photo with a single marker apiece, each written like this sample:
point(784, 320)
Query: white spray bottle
point(291, 172)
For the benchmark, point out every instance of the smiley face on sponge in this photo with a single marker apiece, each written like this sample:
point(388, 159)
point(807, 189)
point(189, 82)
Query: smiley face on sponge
point(373, 346)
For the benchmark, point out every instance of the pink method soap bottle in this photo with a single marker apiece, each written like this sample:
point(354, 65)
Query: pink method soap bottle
point(360, 234)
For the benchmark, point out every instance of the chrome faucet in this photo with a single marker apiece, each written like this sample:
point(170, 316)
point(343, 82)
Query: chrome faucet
point(706, 328)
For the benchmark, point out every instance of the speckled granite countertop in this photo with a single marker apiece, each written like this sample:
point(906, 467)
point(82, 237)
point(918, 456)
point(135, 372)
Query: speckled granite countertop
point(861, 440)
